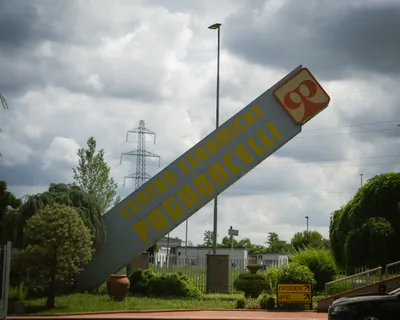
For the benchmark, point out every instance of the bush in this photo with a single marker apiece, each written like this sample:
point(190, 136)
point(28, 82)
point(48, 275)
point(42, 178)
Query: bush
point(266, 302)
point(17, 293)
point(241, 303)
point(172, 285)
point(139, 280)
point(271, 275)
point(320, 262)
point(252, 284)
point(253, 268)
point(294, 272)
point(100, 290)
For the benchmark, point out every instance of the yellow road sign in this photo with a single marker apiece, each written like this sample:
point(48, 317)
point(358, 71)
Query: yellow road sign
point(294, 298)
point(294, 288)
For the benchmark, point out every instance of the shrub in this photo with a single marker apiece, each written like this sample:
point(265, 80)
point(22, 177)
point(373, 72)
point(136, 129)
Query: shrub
point(294, 272)
point(241, 303)
point(320, 262)
point(17, 293)
point(139, 280)
point(266, 302)
point(252, 284)
point(100, 290)
point(253, 268)
point(271, 275)
point(172, 285)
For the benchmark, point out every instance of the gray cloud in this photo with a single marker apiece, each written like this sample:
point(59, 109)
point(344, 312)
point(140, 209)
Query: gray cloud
point(334, 39)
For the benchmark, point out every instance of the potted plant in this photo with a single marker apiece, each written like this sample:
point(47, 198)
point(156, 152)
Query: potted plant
point(16, 299)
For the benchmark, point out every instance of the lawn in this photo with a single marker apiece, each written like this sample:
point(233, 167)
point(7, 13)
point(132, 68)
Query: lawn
point(90, 302)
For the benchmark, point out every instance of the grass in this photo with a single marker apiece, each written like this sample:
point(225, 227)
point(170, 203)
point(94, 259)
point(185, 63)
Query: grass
point(91, 302)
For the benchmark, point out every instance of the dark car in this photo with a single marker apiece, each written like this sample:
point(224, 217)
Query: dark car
point(372, 306)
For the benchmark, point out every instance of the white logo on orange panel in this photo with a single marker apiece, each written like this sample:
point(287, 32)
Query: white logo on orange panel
point(302, 96)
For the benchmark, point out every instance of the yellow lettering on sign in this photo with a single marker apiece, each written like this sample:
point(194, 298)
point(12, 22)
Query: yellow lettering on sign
point(133, 206)
point(173, 208)
point(143, 198)
point(201, 153)
point(202, 184)
point(150, 190)
point(158, 220)
point(192, 160)
point(274, 131)
point(256, 148)
point(233, 129)
point(160, 185)
point(211, 146)
point(239, 125)
point(141, 228)
point(183, 167)
point(218, 173)
point(126, 215)
point(244, 154)
point(223, 137)
point(170, 178)
point(268, 142)
point(258, 111)
point(188, 196)
point(228, 161)
point(249, 117)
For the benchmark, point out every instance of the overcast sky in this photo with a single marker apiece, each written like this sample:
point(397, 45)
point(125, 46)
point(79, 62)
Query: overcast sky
point(79, 68)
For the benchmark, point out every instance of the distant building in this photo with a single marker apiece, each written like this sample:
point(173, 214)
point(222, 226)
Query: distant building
point(269, 260)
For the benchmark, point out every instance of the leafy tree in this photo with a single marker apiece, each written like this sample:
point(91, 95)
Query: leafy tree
point(320, 262)
point(85, 204)
point(208, 239)
point(277, 245)
point(59, 244)
point(227, 243)
point(93, 175)
point(311, 239)
point(351, 226)
point(7, 201)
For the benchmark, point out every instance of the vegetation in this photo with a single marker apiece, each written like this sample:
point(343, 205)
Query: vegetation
point(371, 218)
point(92, 175)
point(309, 239)
point(146, 282)
point(59, 245)
point(252, 284)
point(85, 204)
point(320, 262)
point(266, 302)
point(294, 272)
point(8, 205)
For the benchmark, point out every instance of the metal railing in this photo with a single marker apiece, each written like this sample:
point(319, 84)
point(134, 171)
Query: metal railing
point(362, 279)
point(354, 281)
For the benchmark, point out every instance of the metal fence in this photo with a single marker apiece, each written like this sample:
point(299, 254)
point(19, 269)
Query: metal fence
point(195, 267)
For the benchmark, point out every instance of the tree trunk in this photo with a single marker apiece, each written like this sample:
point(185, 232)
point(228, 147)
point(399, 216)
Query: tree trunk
point(51, 292)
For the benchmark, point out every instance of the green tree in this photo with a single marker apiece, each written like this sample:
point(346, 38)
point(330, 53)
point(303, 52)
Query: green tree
point(85, 204)
point(351, 226)
point(93, 175)
point(311, 239)
point(208, 239)
point(277, 245)
point(59, 245)
point(7, 216)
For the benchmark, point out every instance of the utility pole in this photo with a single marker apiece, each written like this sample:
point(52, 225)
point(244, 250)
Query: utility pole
point(140, 176)
point(361, 177)
point(307, 229)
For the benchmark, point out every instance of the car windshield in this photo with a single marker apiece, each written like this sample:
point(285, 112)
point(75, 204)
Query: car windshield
point(395, 291)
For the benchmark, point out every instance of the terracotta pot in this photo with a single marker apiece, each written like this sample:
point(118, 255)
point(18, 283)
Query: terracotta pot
point(118, 286)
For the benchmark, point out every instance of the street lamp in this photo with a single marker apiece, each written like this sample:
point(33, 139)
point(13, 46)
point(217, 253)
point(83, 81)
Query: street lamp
point(307, 228)
point(216, 26)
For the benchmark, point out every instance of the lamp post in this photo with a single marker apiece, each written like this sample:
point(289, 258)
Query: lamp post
point(216, 26)
point(307, 229)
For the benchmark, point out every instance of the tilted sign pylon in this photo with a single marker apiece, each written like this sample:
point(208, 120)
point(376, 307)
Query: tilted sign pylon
point(206, 170)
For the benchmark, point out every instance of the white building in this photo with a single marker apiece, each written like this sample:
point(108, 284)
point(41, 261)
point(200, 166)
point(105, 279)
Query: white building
point(269, 260)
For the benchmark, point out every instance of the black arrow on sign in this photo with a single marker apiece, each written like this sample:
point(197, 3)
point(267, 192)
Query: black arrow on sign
point(306, 296)
point(306, 287)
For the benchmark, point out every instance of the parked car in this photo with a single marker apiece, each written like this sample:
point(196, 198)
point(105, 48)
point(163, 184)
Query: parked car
point(370, 306)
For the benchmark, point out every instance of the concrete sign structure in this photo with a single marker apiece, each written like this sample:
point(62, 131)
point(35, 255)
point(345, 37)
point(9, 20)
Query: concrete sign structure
point(203, 172)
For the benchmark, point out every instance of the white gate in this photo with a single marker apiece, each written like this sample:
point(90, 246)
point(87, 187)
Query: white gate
point(5, 258)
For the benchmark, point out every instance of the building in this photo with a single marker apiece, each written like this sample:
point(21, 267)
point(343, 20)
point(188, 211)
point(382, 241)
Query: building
point(269, 260)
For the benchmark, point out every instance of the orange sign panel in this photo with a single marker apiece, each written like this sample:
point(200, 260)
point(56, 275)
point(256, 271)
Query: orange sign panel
point(302, 97)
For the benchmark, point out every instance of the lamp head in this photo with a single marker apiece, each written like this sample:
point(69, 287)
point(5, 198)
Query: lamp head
point(215, 26)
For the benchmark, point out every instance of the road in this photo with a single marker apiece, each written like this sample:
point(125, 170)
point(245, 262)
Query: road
point(193, 315)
